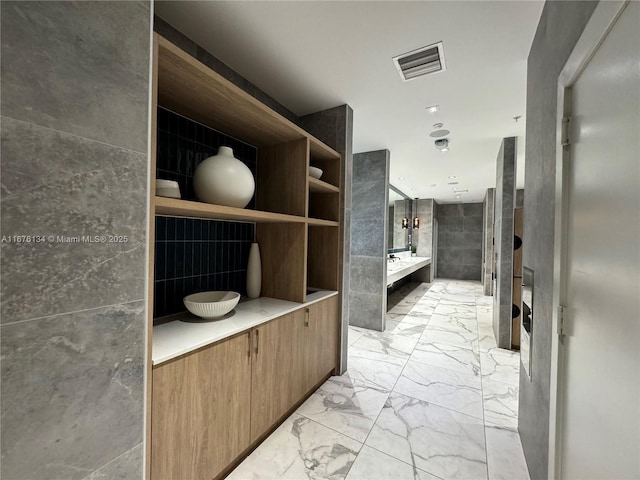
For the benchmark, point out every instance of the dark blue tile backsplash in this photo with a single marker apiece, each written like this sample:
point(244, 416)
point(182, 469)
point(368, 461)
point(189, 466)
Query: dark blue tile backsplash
point(195, 255)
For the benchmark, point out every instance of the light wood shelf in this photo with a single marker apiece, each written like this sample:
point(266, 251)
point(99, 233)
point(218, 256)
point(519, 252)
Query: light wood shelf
point(186, 208)
point(318, 222)
point(318, 186)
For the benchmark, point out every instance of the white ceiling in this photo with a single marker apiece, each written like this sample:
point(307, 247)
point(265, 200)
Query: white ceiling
point(314, 55)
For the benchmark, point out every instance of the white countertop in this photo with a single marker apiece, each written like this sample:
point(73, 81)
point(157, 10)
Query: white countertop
point(186, 332)
point(401, 268)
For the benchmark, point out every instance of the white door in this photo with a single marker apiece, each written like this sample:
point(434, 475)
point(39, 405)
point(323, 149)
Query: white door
point(599, 383)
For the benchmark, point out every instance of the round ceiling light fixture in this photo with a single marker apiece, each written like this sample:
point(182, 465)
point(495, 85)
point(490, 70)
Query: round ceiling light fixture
point(439, 133)
point(438, 125)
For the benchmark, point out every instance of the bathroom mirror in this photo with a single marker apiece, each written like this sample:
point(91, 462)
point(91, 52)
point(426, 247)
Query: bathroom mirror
point(400, 207)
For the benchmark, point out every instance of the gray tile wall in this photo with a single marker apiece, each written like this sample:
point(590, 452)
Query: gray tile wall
point(74, 102)
point(487, 241)
point(400, 235)
point(503, 234)
point(519, 198)
point(335, 128)
point(561, 24)
point(459, 241)
point(370, 197)
point(423, 236)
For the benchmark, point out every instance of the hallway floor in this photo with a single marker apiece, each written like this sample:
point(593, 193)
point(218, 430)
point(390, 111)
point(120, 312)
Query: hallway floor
point(431, 397)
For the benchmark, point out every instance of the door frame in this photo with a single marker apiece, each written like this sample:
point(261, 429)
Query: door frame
point(602, 20)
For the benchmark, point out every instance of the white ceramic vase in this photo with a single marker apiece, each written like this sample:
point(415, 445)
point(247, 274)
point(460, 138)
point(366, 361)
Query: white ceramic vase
point(224, 180)
point(254, 272)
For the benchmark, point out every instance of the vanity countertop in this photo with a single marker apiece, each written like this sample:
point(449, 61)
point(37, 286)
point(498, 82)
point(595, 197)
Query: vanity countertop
point(406, 266)
point(183, 332)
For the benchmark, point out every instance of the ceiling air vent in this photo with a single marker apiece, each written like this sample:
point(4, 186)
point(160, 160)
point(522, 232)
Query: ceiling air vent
point(423, 61)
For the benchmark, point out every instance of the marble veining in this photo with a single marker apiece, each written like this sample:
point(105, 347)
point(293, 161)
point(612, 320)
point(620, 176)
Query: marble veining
point(374, 368)
point(394, 345)
point(300, 449)
point(440, 441)
point(452, 357)
point(441, 386)
point(345, 405)
point(373, 464)
point(422, 396)
point(405, 329)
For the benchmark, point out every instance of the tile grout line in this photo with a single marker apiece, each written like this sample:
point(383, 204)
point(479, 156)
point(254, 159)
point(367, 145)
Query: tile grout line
point(45, 317)
point(484, 420)
point(381, 410)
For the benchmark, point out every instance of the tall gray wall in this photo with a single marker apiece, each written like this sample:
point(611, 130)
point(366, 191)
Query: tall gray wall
point(370, 197)
point(519, 198)
point(75, 102)
point(400, 237)
point(460, 241)
point(560, 26)
point(503, 240)
point(423, 237)
point(335, 128)
point(487, 241)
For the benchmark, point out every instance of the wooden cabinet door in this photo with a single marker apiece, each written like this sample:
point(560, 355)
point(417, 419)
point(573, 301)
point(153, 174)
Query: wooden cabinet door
point(277, 381)
point(200, 411)
point(321, 341)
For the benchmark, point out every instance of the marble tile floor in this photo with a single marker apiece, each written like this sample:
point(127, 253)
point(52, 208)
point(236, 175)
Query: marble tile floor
point(430, 397)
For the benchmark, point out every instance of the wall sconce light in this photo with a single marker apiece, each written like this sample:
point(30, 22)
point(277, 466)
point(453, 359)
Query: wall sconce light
point(416, 222)
point(405, 222)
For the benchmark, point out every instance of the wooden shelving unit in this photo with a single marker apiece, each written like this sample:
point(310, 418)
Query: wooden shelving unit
point(318, 222)
point(297, 217)
point(185, 208)
point(318, 186)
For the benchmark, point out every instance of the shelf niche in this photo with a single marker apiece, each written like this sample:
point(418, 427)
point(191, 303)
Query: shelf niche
point(322, 257)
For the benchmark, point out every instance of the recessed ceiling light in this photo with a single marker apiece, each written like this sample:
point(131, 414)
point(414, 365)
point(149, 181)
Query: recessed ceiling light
point(452, 176)
point(442, 144)
point(457, 196)
point(438, 125)
point(433, 109)
point(400, 178)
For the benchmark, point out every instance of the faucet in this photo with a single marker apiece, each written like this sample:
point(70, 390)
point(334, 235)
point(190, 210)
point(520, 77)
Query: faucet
point(393, 258)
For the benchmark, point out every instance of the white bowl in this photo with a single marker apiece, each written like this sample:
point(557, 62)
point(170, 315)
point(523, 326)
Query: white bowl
point(211, 304)
point(167, 188)
point(315, 172)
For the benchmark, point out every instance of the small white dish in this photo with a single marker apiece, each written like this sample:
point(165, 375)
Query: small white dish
point(167, 188)
point(315, 172)
point(211, 305)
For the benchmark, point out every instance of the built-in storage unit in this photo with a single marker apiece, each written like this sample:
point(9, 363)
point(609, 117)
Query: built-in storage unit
point(214, 396)
point(212, 405)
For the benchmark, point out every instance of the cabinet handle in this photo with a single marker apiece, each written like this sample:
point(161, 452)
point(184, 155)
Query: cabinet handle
point(249, 349)
point(306, 317)
point(257, 340)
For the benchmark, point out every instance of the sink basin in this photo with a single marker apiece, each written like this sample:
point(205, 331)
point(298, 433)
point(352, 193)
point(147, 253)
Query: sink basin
point(211, 305)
